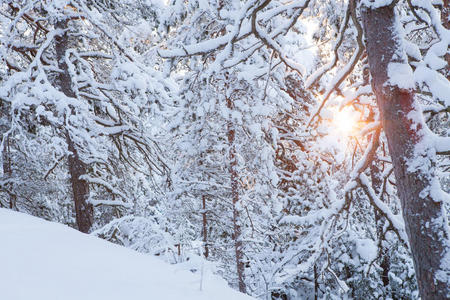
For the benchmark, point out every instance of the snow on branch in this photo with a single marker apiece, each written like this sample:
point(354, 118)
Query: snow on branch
point(377, 4)
point(106, 185)
point(442, 145)
point(364, 161)
point(110, 203)
point(396, 221)
point(270, 43)
point(243, 28)
point(427, 70)
point(343, 73)
point(314, 77)
point(240, 31)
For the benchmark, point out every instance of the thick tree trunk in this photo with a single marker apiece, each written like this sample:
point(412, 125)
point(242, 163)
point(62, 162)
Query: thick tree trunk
point(80, 188)
point(423, 215)
point(235, 198)
point(84, 211)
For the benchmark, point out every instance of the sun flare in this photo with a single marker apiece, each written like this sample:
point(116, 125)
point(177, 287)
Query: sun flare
point(345, 122)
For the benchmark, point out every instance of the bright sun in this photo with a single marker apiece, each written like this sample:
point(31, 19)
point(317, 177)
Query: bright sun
point(345, 121)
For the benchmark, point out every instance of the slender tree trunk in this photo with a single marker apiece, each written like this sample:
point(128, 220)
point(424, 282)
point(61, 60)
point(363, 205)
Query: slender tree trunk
point(376, 185)
point(6, 155)
point(423, 215)
point(316, 283)
point(235, 198)
point(7, 171)
point(80, 188)
point(205, 227)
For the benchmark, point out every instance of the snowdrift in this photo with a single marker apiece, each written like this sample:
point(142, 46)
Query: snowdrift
point(40, 260)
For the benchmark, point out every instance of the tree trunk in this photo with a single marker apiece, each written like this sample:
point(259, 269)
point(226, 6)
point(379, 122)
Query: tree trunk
point(205, 227)
point(235, 198)
point(5, 121)
point(80, 188)
point(316, 283)
point(7, 170)
point(445, 17)
point(423, 215)
point(379, 222)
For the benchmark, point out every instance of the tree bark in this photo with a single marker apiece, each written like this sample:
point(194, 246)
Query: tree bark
point(423, 215)
point(5, 121)
point(7, 170)
point(316, 283)
point(379, 222)
point(80, 188)
point(205, 228)
point(235, 197)
point(445, 12)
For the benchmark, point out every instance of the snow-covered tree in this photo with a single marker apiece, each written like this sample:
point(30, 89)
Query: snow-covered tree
point(75, 81)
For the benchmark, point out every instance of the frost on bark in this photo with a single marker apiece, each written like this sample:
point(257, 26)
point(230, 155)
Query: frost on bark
point(80, 188)
point(412, 157)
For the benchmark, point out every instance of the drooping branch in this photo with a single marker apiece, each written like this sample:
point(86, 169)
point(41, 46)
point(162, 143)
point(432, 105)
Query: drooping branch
point(343, 73)
point(313, 78)
point(397, 224)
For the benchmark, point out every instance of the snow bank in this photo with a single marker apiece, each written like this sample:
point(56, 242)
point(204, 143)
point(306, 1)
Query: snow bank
point(41, 260)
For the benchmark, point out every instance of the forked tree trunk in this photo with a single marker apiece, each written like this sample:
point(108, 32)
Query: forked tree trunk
point(423, 215)
point(80, 188)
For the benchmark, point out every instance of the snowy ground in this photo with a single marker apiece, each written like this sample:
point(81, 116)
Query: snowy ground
point(40, 260)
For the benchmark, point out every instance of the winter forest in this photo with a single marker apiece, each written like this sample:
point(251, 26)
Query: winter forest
point(297, 149)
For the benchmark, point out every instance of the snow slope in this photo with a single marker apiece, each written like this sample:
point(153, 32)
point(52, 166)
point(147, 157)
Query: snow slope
point(40, 260)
